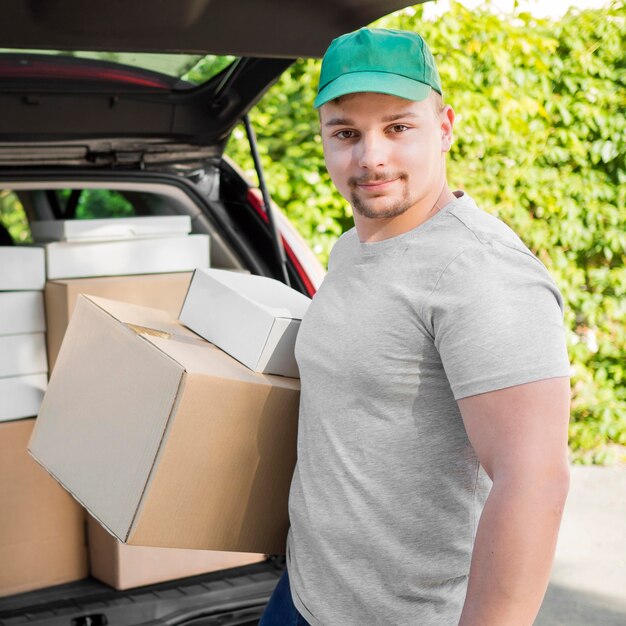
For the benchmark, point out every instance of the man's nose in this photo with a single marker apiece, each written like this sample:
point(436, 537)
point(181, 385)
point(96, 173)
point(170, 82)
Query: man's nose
point(372, 152)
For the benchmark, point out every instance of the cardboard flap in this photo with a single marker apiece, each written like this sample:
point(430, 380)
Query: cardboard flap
point(142, 319)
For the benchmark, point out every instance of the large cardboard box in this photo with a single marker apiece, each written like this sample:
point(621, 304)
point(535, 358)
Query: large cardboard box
point(159, 291)
point(80, 259)
point(125, 567)
point(22, 268)
point(42, 532)
point(21, 312)
point(253, 318)
point(166, 440)
point(21, 396)
point(23, 354)
point(111, 228)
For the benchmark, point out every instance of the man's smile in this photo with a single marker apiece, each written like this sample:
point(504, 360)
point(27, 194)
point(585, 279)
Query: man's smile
point(377, 185)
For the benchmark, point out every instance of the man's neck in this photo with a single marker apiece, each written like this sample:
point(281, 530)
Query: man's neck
point(377, 229)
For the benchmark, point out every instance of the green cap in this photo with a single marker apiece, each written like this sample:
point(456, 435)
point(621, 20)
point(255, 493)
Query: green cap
point(396, 62)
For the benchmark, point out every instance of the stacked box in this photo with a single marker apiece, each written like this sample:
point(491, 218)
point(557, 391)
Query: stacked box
point(256, 322)
point(23, 360)
point(42, 538)
point(41, 527)
point(110, 560)
point(120, 246)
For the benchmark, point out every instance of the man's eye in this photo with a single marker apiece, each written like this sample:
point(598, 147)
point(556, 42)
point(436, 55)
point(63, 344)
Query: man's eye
point(345, 134)
point(399, 128)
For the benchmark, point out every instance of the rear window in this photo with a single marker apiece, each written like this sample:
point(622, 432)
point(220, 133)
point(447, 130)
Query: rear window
point(194, 69)
point(95, 203)
point(13, 221)
point(18, 207)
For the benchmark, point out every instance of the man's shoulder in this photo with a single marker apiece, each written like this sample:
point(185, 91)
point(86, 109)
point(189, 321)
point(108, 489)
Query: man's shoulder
point(478, 225)
point(467, 229)
point(468, 246)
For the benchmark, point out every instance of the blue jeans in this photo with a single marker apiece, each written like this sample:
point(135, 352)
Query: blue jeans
point(280, 610)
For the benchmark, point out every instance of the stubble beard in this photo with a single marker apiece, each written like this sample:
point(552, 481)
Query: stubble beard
point(366, 207)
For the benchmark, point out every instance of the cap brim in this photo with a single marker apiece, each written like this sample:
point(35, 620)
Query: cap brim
point(377, 82)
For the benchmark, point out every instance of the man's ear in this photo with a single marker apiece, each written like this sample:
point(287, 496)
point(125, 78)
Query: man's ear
point(447, 123)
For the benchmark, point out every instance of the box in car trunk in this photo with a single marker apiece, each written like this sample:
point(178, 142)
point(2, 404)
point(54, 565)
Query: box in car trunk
point(41, 526)
point(79, 259)
point(253, 318)
point(111, 229)
point(164, 438)
point(126, 567)
point(21, 312)
point(158, 291)
point(20, 396)
point(23, 354)
point(22, 268)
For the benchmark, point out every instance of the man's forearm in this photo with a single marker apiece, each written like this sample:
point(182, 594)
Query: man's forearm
point(514, 551)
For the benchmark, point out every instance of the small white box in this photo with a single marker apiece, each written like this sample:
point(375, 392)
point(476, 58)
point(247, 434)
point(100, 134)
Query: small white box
point(252, 318)
point(21, 355)
point(22, 268)
point(72, 259)
point(110, 229)
point(21, 396)
point(21, 312)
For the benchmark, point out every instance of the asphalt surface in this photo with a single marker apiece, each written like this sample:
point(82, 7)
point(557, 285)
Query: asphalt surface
point(588, 582)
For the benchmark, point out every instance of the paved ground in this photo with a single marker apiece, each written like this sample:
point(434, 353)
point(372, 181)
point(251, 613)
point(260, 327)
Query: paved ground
point(588, 584)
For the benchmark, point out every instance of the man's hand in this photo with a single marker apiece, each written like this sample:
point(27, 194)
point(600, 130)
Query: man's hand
point(520, 437)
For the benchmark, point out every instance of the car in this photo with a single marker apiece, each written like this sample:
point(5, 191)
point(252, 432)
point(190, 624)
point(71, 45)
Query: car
point(90, 129)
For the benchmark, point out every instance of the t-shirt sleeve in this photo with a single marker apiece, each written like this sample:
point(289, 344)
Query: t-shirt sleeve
point(497, 320)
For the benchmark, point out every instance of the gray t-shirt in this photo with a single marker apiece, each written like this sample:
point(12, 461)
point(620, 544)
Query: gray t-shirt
point(387, 491)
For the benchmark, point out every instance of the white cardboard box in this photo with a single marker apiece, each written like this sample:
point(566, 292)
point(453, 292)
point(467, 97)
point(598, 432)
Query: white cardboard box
point(253, 318)
point(69, 259)
point(23, 354)
point(111, 228)
point(21, 312)
point(22, 268)
point(21, 396)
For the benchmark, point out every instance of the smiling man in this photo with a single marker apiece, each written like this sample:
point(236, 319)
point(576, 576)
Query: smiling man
point(432, 448)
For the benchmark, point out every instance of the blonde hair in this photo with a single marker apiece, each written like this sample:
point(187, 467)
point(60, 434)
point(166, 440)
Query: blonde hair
point(436, 99)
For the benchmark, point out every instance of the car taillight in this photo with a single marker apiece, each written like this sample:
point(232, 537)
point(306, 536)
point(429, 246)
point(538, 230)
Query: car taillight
point(257, 204)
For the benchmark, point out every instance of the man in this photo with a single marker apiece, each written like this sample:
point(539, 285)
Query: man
point(432, 454)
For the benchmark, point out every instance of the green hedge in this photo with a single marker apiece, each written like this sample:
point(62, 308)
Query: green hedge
point(540, 142)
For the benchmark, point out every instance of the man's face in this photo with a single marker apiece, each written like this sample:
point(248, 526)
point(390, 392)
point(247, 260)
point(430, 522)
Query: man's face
point(385, 154)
